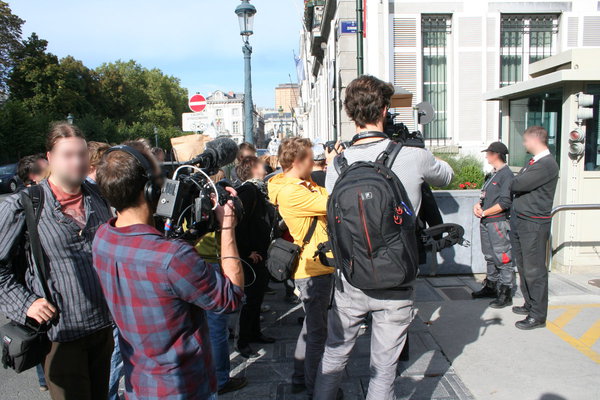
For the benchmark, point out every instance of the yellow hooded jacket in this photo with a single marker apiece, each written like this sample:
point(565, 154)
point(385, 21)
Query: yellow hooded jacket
point(299, 201)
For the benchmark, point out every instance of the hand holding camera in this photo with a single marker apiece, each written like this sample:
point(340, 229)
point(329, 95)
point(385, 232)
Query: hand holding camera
point(226, 213)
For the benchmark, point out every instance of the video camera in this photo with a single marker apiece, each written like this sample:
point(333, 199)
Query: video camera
point(188, 200)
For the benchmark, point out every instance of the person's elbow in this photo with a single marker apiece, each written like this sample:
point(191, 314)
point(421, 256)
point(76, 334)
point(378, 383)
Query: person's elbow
point(231, 300)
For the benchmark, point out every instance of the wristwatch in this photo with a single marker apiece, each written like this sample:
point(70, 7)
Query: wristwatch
point(482, 214)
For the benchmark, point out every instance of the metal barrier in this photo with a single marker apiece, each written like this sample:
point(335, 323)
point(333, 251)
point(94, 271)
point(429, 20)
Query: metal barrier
point(565, 207)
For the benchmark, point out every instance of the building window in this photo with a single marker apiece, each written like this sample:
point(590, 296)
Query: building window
point(219, 113)
point(235, 112)
point(544, 109)
point(236, 127)
point(525, 39)
point(592, 133)
point(435, 30)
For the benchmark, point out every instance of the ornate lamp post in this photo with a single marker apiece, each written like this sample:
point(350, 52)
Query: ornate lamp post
point(245, 13)
point(70, 118)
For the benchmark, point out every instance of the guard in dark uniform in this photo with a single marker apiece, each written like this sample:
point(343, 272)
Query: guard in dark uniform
point(494, 211)
point(533, 190)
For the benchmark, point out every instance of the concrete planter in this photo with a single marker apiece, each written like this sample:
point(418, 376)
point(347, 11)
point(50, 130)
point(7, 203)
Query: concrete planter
point(457, 207)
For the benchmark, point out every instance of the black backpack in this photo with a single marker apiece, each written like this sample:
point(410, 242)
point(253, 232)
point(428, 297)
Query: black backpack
point(372, 224)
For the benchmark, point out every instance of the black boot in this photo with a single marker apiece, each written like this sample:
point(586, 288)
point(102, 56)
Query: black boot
point(504, 298)
point(488, 290)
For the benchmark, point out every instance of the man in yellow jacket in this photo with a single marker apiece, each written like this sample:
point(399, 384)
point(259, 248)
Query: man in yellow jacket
point(300, 200)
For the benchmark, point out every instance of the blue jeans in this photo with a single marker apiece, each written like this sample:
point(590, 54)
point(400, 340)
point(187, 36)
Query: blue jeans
point(40, 373)
point(219, 335)
point(116, 368)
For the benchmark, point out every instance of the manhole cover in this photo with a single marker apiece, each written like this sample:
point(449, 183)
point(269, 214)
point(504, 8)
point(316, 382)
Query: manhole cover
point(594, 282)
point(456, 293)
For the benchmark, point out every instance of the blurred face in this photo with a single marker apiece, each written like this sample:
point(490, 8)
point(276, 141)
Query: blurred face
point(43, 169)
point(491, 157)
point(259, 172)
point(305, 166)
point(69, 161)
point(531, 143)
point(247, 153)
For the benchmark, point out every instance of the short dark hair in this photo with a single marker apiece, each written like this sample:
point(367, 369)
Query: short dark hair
point(292, 149)
point(366, 97)
point(62, 130)
point(121, 178)
point(538, 131)
point(29, 165)
point(245, 167)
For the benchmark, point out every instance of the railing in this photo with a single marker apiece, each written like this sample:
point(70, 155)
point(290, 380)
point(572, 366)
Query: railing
point(565, 207)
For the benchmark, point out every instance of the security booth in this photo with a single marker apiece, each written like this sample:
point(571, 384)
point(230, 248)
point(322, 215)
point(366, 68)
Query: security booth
point(562, 94)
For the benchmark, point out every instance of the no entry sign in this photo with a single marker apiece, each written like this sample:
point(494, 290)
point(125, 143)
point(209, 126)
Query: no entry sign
point(197, 103)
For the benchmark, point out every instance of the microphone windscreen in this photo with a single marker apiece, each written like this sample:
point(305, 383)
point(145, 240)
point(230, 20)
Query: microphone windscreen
point(225, 149)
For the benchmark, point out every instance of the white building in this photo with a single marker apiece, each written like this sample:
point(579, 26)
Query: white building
point(279, 124)
point(446, 52)
point(223, 115)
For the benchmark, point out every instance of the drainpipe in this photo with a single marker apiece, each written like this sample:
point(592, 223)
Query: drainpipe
point(359, 37)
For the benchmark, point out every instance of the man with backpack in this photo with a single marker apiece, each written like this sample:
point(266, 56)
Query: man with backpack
point(375, 188)
point(64, 295)
point(303, 206)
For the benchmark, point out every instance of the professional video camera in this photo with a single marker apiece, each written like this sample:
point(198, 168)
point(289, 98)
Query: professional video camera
point(423, 113)
point(188, 200)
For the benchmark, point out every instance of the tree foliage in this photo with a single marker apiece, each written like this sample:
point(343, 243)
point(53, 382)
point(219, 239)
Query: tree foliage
point(10, 41)
point(115, 102)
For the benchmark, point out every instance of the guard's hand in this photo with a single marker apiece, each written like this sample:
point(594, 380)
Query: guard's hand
point(226, 214)
point(477, 210)
point(41, 311)
point(330, 155)
point(255, 257)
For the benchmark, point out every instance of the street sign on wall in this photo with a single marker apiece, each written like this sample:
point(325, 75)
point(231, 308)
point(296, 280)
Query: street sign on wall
point(348, 27)
point(197, 103)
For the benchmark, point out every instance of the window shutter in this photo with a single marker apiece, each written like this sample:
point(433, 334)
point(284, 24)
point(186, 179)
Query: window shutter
point(573, 32)
point(591, 31)
point(406, 63)
point(469, 105)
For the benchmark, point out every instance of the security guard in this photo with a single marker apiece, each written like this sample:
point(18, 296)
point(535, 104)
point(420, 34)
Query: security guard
point(494, 211)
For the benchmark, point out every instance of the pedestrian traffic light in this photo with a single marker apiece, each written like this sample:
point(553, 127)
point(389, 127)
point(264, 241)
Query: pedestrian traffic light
point(586, 106)
point(576, 144)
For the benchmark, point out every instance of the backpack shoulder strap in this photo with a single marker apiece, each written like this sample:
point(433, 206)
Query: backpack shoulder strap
point(388, 156)
point(340, 163)
point(33, 204)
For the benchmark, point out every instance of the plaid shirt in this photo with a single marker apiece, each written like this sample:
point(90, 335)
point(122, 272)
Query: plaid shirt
point(157, 291)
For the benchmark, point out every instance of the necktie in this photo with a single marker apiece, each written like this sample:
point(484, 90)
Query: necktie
point(531, 162)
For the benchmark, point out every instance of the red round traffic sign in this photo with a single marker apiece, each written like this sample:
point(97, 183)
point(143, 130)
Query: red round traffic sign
point(197, 103)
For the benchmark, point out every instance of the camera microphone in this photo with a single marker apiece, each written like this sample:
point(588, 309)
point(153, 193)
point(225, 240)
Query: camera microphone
point(218, 153)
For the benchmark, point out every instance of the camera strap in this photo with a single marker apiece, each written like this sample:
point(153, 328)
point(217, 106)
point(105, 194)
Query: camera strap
point(366, 135)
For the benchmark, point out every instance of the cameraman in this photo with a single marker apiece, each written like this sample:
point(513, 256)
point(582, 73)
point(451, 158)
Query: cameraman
point(367, 102)
point(157, 289)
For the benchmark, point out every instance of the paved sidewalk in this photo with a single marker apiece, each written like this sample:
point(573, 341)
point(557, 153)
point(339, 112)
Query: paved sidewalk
point(459, 349)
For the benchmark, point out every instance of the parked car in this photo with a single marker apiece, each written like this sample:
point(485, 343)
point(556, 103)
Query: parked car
point(9, 181)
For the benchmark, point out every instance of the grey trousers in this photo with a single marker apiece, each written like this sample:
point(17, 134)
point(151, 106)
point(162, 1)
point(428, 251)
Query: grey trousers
point(388, 336)
point(315, 293)
point(496, 248)
point(529, 241)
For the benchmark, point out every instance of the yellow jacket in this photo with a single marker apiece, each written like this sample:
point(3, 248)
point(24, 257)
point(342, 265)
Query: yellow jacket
point(299, 201)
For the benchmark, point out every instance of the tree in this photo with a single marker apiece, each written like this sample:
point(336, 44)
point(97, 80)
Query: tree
point(10, 41)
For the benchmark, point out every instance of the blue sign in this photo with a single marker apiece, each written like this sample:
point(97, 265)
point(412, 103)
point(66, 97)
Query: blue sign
point(348, 27)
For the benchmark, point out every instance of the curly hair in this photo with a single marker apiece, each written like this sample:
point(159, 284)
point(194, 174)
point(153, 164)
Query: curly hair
point(366, 98)
point(292, 149)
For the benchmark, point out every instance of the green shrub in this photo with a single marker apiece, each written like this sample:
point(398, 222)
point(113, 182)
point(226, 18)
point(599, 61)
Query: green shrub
point(467, 169)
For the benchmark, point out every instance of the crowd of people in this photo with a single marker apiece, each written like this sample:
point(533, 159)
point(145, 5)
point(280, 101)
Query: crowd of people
point(127, 302)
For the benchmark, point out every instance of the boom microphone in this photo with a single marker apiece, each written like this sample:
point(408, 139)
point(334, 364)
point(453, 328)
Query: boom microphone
point(218, 153)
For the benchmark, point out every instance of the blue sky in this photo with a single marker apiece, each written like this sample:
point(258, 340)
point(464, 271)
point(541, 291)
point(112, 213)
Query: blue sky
point(195, 40)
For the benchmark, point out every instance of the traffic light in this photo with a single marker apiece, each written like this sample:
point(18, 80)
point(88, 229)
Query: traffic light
point(586, 106)
point(576, 144)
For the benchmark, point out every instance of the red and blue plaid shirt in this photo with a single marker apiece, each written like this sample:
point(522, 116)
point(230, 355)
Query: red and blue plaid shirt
point(157, 291)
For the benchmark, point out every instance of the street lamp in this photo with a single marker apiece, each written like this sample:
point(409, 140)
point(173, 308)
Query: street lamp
point(245, 13)
point(70, 119)
point(280, 111)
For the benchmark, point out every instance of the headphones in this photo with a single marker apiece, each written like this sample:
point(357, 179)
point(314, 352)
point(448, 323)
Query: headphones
point(152, 188)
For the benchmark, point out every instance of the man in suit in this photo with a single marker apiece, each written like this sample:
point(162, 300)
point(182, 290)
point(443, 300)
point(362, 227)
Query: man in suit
point(533, 190)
